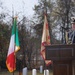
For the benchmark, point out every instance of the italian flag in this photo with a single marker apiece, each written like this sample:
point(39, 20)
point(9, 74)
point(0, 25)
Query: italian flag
point(13, 47)
point(45, 40)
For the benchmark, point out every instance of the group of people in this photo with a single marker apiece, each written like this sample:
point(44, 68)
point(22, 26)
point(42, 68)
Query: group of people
point(70, 35)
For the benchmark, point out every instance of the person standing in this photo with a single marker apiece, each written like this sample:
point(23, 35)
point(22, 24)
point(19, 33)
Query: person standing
point(70, 35)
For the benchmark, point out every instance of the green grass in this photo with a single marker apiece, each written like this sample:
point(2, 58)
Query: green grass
point(17, 73)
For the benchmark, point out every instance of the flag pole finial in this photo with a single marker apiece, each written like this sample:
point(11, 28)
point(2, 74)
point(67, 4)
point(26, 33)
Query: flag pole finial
point(15, 17)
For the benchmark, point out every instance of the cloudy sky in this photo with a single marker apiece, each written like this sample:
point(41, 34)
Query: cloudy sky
point(20, 6)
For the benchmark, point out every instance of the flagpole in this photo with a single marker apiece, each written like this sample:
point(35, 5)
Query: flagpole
point(45, 13)
point(12, 24)
point(14, 46)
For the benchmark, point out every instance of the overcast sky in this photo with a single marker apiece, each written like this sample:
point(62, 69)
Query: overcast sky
point(23, 6)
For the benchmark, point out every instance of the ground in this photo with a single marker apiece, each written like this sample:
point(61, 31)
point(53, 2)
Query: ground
point(17, 73)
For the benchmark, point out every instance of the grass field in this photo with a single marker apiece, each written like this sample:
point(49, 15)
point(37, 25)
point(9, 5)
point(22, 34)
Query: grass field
point(17, 73)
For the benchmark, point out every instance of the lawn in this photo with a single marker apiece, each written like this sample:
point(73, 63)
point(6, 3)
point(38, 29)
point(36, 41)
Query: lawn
point(17, 73)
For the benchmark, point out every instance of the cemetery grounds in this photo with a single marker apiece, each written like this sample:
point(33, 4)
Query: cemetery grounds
point(17, 73)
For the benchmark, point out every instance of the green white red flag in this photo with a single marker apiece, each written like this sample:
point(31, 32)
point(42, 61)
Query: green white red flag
point(45, 40)
point(13, 47)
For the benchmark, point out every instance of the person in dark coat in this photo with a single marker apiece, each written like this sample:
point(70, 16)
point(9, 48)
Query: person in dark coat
point(70, 35)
